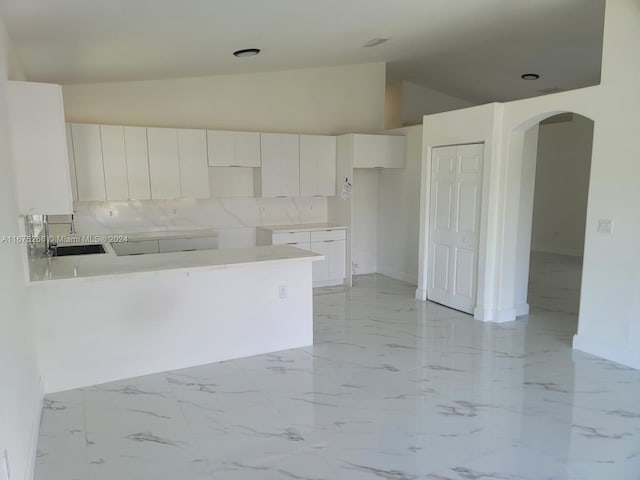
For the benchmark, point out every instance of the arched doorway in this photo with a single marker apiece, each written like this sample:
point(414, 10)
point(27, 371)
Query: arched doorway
point(554, 180)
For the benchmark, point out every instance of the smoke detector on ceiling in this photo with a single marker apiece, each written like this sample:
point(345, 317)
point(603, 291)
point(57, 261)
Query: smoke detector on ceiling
point(530, 76)
point(374, 42)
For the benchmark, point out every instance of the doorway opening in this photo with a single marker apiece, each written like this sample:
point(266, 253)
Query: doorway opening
point(557, 178)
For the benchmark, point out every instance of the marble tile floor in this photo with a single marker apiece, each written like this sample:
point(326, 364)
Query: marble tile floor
point(393, 389)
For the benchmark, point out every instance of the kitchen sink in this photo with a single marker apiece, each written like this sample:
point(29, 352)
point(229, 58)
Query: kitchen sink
point(78, 250)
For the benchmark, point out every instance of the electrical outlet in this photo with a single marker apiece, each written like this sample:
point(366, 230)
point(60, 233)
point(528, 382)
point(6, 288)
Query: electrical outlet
point(283, 291)
point(111, 213)
point(605, 226)
point(5, 464)
point(175, 211)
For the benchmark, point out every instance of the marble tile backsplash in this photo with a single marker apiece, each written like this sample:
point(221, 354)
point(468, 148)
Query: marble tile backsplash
point(235, 219)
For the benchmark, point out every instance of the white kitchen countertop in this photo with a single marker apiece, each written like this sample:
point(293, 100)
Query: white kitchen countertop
point(44, 269)
point(303, 227)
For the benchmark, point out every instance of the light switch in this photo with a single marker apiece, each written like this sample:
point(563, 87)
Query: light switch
point(605, 226)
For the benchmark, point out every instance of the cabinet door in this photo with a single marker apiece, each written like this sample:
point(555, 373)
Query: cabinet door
point(321, 267)
point(280, 173)
point(290, 165)
point(270, 181)
point(367, 151)
point(385, 151)
point(140, 247)
point(72, 163)
point(187, 244)
point(40, 156)
point(164, 167)
point(317, 165)
point(87, 149)
point(394, 151)
point(135, 142)
point(247, 149)
point(115, 162)
point(337, 259)
point(194, 175)
point(221, 149)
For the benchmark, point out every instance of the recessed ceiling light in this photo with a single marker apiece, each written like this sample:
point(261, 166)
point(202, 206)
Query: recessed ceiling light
point(530, 76)
point(374, 42)
point(247, 52)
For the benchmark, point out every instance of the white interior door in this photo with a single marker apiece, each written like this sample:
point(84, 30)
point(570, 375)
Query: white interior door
point(454, 224)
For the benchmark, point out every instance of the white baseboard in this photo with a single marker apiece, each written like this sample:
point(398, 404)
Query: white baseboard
point(522, 309)
point(421, 294)
point(571, 252)
point(329, 283)
point(398, 275)
point(35, 432)
point(614, 354)
point(494, 316)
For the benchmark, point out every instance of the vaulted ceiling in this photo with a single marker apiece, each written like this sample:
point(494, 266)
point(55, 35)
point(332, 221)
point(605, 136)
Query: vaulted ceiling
point(474, 49)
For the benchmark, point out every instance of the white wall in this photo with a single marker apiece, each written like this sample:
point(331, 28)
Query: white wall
point(123, 326)
point(364, 228)
point(393, 106)
point(335, 100)
point(562, 185)
point(609, 321)
point(471, 125)
point(20, 395)
point(418, 101)
point(399, 212)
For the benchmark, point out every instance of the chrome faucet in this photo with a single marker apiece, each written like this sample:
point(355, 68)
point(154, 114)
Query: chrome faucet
point(49, 246)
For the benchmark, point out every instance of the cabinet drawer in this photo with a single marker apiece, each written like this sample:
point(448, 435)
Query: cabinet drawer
point(136, 248)
point(280, 238)
point(184, 244)
point(324, 235)
point(302, 245)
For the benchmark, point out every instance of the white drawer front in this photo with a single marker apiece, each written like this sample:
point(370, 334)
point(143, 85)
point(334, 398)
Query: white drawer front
point(281, 238)
point(183, 244)
point(136, 248)
point(324, 235)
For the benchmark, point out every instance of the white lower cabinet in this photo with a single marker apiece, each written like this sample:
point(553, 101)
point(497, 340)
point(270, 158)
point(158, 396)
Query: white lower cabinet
point(320, 267)
point(164, 245)
point(329, 242)
point(135, 248)
point(337, 259)
point(187, 244)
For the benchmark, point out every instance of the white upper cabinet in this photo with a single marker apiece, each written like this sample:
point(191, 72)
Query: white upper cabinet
point(194, 174)
point(135, 141)
point(115, 162)
point(164, 163)
point(233, 149)
point(279, 175)
point(87, 149)
point(40, 155)
point(247, 148)
point(371, 151)
point(317, 165)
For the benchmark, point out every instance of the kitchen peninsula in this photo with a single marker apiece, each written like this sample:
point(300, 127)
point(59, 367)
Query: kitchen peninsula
point(102, 317)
